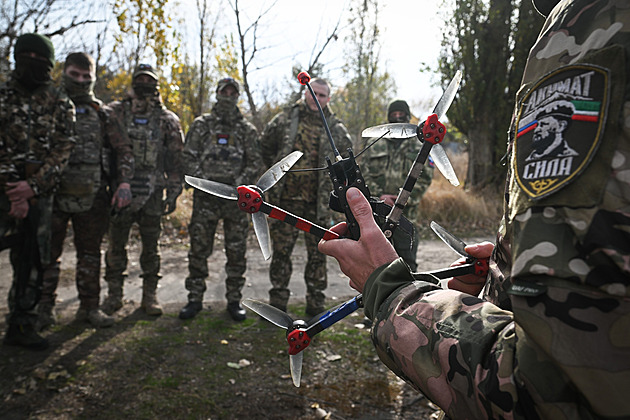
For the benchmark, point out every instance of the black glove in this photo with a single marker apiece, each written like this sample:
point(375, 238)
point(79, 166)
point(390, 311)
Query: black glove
point(170, 202)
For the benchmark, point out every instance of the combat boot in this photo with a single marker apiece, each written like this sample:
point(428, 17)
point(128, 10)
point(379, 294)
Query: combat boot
point(24, 336)
point(96, 317)
point(149, 298)
point(45, 316)
point(112, 303)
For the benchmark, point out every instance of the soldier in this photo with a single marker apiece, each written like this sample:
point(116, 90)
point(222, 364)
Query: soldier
point(550, 338)
point(299, 127)
point(83, 195)
point(36, 138)
point(221, 146)
point(157, 140)
point(387, 165)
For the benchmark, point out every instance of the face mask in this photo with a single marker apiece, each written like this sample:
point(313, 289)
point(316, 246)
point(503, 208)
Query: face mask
point(226, 104)
point(31, 72)
point(78, 91)
point(145, 90)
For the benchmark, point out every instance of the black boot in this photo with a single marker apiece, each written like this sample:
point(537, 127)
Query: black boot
point(236, 311)
point(190, 310)
point(24, 336)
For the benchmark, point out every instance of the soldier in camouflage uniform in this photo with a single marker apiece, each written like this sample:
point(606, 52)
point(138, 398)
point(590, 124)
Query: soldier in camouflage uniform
point(36, 139)
point(83, 195)
point(157, 141)
point(221, 146)
point(550, 339)
point(305, 194)
point(386, 167)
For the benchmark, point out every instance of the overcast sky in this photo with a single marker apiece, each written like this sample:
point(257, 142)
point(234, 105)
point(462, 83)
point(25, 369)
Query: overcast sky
point(410, 36)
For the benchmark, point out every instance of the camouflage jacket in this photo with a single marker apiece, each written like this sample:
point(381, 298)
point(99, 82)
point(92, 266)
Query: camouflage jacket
point(35, 127)
point(551, 339)
point(227, 152)
point(279, 139)
point(100, 137)
point(386, 165)
point(157, 141)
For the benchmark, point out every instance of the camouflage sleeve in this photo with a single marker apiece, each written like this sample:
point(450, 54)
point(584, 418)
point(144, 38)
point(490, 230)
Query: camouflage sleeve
point(191, 155)
point(117, 139)
point(62, 143)
point(174, 145)
point(456, 349)
point(253, 158)
point(342, 138)
point(271, 139)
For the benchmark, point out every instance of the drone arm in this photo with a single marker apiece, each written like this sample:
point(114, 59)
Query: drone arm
point(335, 315)
point(293, 220)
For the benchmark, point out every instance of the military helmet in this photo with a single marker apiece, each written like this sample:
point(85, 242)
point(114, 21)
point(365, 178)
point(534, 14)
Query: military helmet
point(228, 81)
point(145, 69)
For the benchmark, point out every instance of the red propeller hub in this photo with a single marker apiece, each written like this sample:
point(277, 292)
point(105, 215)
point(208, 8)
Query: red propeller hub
point(433, 131)
point(298, 340)
point(249, 200)
point(304, 77)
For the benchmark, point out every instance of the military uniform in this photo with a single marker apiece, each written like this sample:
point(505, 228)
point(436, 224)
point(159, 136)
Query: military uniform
point(36, 127)
point(550, 340)
point(83, 197)
point(223, 147)
point(386, 167)
point(305, 194)
point(157, 141)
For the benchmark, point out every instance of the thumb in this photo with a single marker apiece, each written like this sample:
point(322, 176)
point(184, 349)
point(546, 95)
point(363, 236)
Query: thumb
point(360, 206)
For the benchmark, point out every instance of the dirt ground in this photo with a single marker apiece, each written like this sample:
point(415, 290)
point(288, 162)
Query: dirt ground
point(206, 368)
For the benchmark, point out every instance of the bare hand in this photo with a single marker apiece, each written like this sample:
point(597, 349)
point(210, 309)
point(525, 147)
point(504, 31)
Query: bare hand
point(389, 199)
point(471, 283)
point(122, 196)
point(19, 209)
point(19, 191)
point(358, 259)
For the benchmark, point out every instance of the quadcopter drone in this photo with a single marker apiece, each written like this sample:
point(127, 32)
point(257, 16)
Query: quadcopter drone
point(344, 174)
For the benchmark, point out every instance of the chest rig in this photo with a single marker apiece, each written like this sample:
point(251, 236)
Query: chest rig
point(83, 176)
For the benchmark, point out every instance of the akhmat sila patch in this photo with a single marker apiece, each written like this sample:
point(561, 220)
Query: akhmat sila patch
point(559, 128)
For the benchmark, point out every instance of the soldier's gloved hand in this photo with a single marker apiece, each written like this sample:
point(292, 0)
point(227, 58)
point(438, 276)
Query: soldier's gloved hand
point(170, 202)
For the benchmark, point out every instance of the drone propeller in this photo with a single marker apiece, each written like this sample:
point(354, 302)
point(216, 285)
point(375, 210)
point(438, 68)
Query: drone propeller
point(250, 200)
point(431, 132)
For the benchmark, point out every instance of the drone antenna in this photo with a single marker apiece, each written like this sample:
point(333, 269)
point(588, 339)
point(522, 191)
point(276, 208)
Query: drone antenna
point(304, 79)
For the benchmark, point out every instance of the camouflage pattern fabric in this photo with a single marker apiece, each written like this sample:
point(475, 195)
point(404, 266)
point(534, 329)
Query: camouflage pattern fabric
point(556, 345)
point(283, 238)
point(385, 168)
point(157, 141)
point(148, 219)
point(34, 126)
point(225, 150)
point(278, 140)
point(83, 198)
point(89, 227)
point(207, 211)
point(100, 135)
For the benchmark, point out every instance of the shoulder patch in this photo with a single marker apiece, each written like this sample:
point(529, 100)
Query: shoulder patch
point(560, 125)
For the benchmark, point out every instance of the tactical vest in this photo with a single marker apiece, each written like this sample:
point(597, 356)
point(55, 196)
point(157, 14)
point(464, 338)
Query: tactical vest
point(144, 134)
point(81, 179)
point(224, 154)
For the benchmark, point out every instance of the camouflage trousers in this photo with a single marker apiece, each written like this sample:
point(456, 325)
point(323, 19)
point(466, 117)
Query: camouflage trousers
point(283, 237)
point(89, 228)
point(25, 291)
point(207, 211)
point(148, 219)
